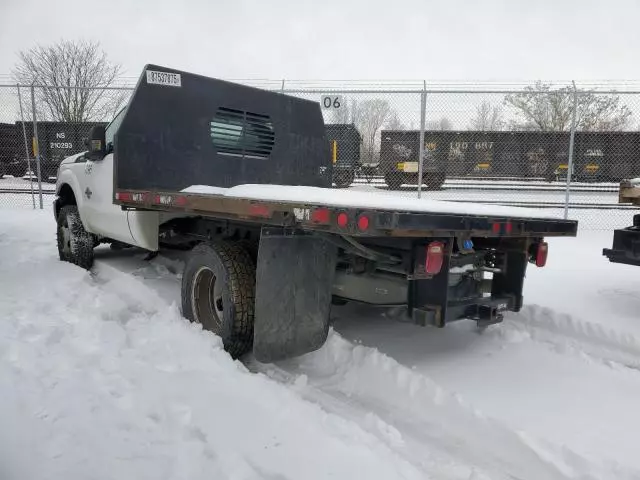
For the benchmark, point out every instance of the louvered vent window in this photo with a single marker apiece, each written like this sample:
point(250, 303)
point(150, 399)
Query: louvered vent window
point(242, 134)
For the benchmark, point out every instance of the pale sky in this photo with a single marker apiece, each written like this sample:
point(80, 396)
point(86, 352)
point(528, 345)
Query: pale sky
point(489, 40)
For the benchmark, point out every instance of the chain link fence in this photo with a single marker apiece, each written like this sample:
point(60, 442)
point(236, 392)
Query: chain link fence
point(564, 150)
point(39, 127)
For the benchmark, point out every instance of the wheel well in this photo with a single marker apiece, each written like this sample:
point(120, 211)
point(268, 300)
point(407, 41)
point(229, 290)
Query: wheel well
point(65, 197)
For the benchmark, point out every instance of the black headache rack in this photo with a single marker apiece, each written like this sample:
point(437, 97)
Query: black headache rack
point(181, 129)
point(345, 220)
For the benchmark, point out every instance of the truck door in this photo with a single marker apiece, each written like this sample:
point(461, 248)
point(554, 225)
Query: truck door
point(102, 216)
point(109, 220)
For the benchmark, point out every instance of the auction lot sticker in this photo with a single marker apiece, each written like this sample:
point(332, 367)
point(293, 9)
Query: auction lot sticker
point(164, 78)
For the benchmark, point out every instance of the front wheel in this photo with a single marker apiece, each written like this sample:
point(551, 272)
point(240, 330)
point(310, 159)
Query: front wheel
point(75, 244)
point(218, 291)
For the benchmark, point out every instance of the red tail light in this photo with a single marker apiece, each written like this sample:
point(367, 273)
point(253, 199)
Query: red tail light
point(541, 254)
point(321, 215)
point(123, 196)
point(435, 258)
point(259, 210)
point(363, 223)
point(342, 220)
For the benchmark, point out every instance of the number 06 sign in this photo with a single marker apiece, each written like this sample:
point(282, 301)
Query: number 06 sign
point(331, 102)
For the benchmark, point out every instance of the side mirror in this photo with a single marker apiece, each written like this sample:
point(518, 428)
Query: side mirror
point(97, 147)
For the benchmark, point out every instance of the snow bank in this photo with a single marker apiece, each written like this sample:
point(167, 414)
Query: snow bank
point(407, 408)
point(102, 379)
point(360, 199)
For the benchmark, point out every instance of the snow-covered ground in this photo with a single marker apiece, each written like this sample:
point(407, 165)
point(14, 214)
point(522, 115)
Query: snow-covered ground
point(102, 378)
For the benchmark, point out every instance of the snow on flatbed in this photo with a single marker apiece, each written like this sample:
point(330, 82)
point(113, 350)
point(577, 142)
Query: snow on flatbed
point(102, 378)
point(352, 198)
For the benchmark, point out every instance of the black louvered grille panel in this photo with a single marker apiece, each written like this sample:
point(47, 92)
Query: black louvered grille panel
point(242, 134)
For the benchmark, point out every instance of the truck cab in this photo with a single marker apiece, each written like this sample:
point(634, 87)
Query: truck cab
point(86, 181)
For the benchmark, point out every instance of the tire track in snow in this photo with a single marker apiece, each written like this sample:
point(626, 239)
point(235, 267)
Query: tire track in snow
point(569, 334)
point(412, 413)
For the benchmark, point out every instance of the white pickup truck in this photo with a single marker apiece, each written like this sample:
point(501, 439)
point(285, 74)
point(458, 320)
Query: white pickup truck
point(240, 178)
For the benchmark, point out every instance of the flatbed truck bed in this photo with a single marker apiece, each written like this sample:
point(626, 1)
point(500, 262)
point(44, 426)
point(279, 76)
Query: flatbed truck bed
point(349, 212)
point(241, 179)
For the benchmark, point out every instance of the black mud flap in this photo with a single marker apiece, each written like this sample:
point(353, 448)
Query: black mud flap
point(294, 279)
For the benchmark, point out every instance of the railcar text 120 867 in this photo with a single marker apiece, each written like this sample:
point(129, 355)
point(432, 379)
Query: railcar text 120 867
point(598, 156)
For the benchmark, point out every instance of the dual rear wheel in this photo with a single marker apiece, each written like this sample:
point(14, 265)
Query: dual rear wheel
point(218, 291)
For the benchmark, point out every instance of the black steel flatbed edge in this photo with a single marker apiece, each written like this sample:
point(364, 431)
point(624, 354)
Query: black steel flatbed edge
point(325, 218)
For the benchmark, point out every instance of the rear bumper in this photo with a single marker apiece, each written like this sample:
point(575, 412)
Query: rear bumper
point(626, 246)
point(485, 311)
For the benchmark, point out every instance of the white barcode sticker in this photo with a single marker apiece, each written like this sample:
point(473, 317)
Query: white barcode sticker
point(164, 78)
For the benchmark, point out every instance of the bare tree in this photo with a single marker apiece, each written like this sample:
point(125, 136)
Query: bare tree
point(442, 124)
point(445, 124)
point(394, 122)
point(487, 118)
point(74, 76)
point(343, 114)
point(540, 108)
point(371, 116)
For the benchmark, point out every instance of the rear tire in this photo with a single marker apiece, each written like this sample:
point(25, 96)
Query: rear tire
point(218, 291)
point(75, 244)
point(251, 248)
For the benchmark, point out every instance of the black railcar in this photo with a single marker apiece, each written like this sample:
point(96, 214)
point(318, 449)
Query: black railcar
point(11, 155)
point(598, 156)
point(344, 143)
point(56, 140)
